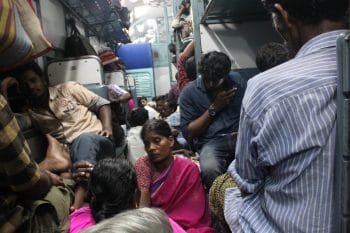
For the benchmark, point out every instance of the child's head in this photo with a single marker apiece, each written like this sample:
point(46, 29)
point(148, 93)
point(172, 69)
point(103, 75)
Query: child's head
point(137, 117)
point(142, 101)
point(112, 188)
point(158, 140)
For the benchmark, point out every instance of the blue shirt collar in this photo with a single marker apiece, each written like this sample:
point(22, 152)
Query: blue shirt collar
point(200, 84)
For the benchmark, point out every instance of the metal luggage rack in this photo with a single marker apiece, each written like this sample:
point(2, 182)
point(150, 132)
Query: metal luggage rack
point(223, 11)
point(100, 18)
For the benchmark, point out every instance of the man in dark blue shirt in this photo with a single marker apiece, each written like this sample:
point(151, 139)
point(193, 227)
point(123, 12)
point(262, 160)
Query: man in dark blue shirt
point(210, 109)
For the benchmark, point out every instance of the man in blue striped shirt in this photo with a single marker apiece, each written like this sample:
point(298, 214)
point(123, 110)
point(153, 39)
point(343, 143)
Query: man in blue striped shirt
point(286, 142)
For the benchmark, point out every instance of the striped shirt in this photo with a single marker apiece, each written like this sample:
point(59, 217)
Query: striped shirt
point(18, 172)
point(286, 143)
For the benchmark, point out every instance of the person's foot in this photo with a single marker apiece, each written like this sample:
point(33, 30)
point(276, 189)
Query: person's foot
point(57, 158)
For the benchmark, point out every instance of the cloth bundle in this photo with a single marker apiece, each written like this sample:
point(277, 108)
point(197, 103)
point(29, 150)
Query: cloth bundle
point(21, 36)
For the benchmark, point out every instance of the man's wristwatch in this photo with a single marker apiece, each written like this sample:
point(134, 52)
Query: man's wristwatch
point(212, 110)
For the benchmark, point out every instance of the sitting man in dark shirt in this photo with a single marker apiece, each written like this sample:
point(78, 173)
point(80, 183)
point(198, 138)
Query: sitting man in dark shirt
point(210, 110)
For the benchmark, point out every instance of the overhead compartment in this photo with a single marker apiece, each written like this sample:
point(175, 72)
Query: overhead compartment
point(236, 27)
point(101, 18)
point(223, 11)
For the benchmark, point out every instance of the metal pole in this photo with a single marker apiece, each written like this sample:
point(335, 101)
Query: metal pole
point(341, 218)
point(168, 38)
point(197, 14)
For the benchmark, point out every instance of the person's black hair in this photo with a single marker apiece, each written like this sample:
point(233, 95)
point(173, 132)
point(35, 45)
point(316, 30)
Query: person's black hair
point(158, 126)
point(137, 117)
point(172, 104)
point(214, 65)
point(191, 68)
point(271, 55)
point(33, 66)
point(172, 48)
point(111, 188)
point(311, 11)
point(161, 98)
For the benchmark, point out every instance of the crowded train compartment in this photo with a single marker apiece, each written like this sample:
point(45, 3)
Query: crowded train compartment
point(132, 48)
point(126, 43)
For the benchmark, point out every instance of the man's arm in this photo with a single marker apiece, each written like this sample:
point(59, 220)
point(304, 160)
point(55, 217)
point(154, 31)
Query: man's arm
point(176, 22)
point(105, 115)
point(94, 103)
point(124, 98)
point(199, 125)
point(182, 74)
point(189, 50)
point(117, 94)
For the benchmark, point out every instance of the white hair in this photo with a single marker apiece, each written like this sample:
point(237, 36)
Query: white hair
point(145, 220)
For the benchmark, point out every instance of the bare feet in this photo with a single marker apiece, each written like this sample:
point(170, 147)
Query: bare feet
point(57, 158)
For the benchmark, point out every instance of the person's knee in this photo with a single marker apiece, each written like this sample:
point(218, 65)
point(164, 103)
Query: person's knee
point(209, 173)
point(210, 169)
point(210, 165)
point(92, 147)
point(85, 137)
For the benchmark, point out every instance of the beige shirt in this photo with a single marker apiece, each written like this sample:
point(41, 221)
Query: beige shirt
point(73, 112)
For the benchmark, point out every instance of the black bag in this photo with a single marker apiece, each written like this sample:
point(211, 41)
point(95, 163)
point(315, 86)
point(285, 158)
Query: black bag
point(124, 15)
point(77, 45)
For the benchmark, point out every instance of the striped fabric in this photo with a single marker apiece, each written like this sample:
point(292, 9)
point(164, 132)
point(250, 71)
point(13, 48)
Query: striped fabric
point(18, 171)
point(286, 143)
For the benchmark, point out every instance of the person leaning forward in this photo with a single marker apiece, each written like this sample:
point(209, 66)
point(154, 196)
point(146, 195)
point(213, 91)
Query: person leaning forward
point(210, 109)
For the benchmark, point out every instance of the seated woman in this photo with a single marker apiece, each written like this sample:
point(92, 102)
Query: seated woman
point(112, 190)
point(171, 183)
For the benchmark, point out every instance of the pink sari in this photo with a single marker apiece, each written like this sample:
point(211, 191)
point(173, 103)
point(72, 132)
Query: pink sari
point(179, 192)
point(81, 219)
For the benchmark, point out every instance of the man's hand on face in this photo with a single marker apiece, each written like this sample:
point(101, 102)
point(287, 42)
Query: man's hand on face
point(223, 98)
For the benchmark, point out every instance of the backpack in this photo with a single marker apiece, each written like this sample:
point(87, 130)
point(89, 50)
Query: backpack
point(77, 45)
